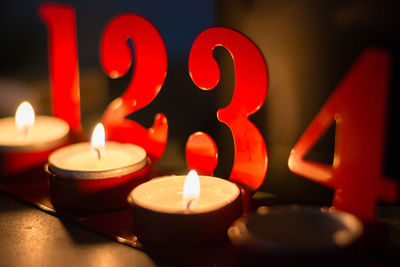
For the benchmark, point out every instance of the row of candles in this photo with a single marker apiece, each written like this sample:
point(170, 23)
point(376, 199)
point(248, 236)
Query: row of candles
point(192, 209)
point(365, 86)
point(100, 175)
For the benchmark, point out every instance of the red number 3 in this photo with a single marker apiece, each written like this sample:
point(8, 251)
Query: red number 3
point(250, 162)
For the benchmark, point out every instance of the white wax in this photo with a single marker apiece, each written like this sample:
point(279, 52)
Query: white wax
point(80, 161)
point(47, 132)
point(165, 194)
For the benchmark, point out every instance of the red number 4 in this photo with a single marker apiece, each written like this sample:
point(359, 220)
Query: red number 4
point(358, 106)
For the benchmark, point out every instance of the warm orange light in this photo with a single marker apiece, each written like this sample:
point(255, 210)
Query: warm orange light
point(25, 118)
point(191, 190)
point(98, 141)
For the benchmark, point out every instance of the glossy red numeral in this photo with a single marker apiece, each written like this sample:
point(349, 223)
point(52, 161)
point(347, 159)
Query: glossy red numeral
point(148, 78)
point(63, 61)
point(201, 153)
point(358, 106)
point(250, 161)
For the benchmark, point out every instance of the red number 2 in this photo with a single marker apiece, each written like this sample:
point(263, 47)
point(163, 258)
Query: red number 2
point(358, 106)
point(250, 162)
point(148, 78)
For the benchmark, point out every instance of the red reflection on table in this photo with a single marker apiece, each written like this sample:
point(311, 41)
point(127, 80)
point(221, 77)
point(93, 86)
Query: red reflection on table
point(358, 106)
point(63, 61)
point(147, 80)
point(250, 161)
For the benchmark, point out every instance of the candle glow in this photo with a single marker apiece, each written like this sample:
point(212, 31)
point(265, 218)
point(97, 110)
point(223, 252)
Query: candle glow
point(98, 140)
point(24, 118)
point(170, 209)
point(191, 190)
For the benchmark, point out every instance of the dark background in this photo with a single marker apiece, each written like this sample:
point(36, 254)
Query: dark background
point(308, 46)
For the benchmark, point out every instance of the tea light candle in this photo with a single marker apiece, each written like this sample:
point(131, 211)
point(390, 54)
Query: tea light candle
point(96, 175)
point(26, 140)
point(184, 210)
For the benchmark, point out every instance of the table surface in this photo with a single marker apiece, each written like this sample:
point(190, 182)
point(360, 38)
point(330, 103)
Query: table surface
point(31, 237)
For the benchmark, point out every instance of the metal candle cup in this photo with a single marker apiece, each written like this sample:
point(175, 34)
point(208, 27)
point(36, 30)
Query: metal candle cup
point(296, 235)
point(80, 181)
point(163, 217)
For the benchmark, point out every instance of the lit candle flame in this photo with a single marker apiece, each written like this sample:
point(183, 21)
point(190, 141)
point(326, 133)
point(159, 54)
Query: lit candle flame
point(98, 142)
point(191, 190)
point(25, 118)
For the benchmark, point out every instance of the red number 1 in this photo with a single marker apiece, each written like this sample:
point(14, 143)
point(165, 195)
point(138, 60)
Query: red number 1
point(358, 106)
point(63, 62)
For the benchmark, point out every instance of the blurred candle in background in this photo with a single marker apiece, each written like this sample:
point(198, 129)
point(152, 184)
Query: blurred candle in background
point(26, 140)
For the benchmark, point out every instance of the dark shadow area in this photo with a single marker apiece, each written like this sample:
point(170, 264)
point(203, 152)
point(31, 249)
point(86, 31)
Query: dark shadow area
point(10, 204)
point(392, 157)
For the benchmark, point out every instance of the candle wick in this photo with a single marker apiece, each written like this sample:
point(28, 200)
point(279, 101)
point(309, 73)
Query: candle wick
point(189, 203)
point(98, 153)
point(25, 131)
